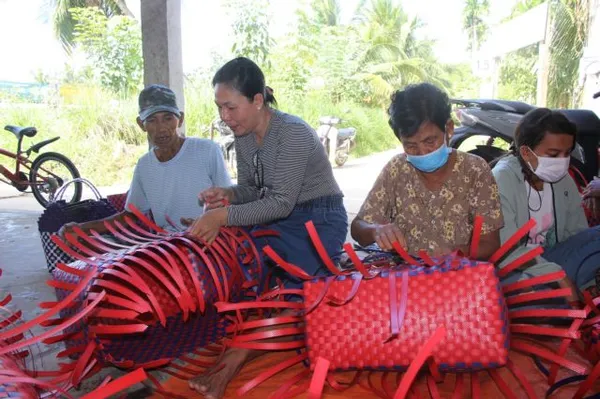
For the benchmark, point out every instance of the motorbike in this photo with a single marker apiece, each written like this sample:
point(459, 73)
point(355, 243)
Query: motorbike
point(345, 138)
point(493, 123)
point(225, 139)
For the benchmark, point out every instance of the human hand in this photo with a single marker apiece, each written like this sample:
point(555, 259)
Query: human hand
point(386, 235)
point(186, 221)
point(592, 190)
point(216, 197)
point(207, 226)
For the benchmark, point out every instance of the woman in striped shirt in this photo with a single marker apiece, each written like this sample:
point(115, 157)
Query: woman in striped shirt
point(284, 181)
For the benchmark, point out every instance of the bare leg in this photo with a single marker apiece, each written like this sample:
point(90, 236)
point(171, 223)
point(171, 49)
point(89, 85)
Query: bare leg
point(213, 382)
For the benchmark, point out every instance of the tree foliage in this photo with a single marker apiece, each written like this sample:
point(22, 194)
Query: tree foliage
point(64, 22)
point(251, 30)
point(568, 34)
point(114, 47)
point(474, 13)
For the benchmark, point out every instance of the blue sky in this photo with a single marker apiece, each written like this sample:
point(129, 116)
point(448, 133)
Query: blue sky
point(28, 41)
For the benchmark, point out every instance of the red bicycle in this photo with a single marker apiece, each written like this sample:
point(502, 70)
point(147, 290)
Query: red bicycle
point(47, 172)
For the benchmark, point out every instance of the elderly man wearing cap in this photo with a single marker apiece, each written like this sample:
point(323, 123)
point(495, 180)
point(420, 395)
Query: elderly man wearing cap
point(169, 177)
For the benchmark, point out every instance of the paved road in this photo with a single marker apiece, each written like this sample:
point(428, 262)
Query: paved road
point(355, 178)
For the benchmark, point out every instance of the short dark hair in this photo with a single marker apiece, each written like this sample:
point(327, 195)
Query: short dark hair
point(416, 104)
point(534, 125)
point(532, 129)
point(246, 77)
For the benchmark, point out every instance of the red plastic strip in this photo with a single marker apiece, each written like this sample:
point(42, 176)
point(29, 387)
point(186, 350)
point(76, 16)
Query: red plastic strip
point(353, 291)
point(536, 296)
point(78, 245)
point(562, 350)
point(533, 281)
point(22, 344)
point(358, 264)
point(288, 267)
point(426, 258)
point(140, 230)
point(343, 386)
point(130, 276)
point(459, 386)
point(60, 306)
point(520, 261)
point(588, 383)
point(120, 235)
point(131, 234)
point(547, 331)
point(185, 300)
point(69, 251)
point(522, 379)
point(563, 313)
point(434, 392)
point(72, 270)
point(475, 386)
point(315, 389)
point(144, 219)
point(262, 377)
point(512, 241)
point(501, 384)
point(319, 299)
point(122, 302)
point(285, 387)
point(476, 238)
point(97, 236)
point(418, 361)
point(270, 346)
point(316, 240)
point(118, 329)
point(209, 265)
point(404, 255)
point(118, 385)
point(523, 346)
point(82, 362)
point(6, 300)
point(273, 333)
point(87, 238)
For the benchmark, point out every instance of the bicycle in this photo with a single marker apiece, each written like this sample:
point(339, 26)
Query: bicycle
point(44, 177)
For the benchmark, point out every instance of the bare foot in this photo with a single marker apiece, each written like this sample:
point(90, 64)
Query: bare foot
point(213, 382)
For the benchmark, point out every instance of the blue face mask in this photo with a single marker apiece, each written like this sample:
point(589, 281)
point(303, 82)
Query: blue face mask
point(430, 162)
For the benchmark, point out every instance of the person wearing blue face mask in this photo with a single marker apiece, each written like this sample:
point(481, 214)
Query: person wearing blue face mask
point(534, 183)
point(427, 198)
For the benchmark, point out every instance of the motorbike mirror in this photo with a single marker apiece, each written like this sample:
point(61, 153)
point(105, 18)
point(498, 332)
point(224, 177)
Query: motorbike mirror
point(596, 95)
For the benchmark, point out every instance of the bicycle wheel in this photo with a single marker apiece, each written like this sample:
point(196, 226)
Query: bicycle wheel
point(48, 173)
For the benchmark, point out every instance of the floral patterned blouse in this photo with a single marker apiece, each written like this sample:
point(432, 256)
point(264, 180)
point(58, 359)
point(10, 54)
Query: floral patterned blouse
point(431, 220)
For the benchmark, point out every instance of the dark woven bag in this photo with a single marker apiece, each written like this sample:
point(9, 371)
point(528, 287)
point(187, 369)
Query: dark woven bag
point(59, 212)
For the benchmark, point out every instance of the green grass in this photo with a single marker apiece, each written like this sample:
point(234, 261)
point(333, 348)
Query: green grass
point(99, 133)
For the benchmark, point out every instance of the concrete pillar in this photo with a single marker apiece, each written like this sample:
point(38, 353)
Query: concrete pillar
point(544, 65)
point(161, 46)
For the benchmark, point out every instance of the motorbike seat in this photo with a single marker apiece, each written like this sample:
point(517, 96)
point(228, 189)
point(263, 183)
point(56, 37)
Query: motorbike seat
point(346, 133)
point(19, 132)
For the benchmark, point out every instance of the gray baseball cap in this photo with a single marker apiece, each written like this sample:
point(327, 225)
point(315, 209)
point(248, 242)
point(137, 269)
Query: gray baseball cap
point(157, 98)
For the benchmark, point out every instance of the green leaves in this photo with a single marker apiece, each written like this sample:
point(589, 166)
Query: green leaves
point(114, 47)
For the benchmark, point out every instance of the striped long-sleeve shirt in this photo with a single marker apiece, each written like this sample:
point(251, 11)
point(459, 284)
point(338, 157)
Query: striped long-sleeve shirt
point(291, 165)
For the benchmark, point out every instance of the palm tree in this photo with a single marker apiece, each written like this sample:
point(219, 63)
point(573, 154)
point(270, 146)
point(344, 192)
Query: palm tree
point(393, 55)
point(569, 35)
point(326, 12)
point(473, 15)
point(64, 24)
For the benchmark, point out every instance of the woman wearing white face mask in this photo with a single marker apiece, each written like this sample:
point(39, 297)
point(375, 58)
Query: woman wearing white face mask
point(534, 183)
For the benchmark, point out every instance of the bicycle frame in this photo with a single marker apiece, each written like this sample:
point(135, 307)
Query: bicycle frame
point(20, 160)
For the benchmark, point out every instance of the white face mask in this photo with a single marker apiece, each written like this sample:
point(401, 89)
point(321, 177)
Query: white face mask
point(550, 169)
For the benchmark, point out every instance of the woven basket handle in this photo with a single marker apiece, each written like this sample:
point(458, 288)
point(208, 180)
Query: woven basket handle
point(61, 191)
